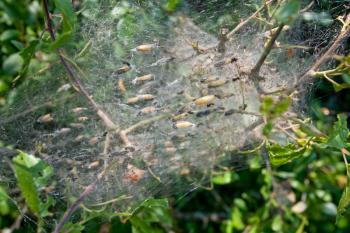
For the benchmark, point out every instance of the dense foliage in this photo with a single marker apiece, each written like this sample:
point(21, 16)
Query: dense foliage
point(306, 191)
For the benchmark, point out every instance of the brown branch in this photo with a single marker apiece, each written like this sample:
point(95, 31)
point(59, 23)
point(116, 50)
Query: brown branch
point(255, 71)
point(87, 191)
point(48, 20)
point(74, 79)
point(123, 134)
point(110, 125)
point(327, 55)
point(308, 7)
point(16, 225)
point(6, 152)
point(243, 23)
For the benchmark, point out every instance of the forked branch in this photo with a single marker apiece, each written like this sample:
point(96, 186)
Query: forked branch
point(244, 22)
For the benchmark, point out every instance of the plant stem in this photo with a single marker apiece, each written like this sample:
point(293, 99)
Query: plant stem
point(255, 71)
point(241, 24)
point(74, 79)
point(110, 125)
point(345, 31)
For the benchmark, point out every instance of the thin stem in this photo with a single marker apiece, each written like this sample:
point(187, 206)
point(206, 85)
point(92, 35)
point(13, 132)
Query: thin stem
point(123, 134)
point(48, 20)
point(255, 71)
point(103, 116)
point(345, 31)
point(74, 79)
point(123, 197)
point(16, 225)
point(243, 23)
point(88, 190)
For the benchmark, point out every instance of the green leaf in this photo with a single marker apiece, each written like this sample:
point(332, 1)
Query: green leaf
point(340, 133)
point(61, 40)
point(149, 213)
point(322, 18)
point(272, 109)
point(346, 78)
point(4, 87)
point(22, 164)
point(267, 128)
point(4, 205)
point(141, 226)
point(13, 64)
point(282, 154)
point(237, 219)
point(32, 175)
point(171, 5)
point(345, 198)
point(73, 227)
point(224, 178)
point(151, 203)
point(288, 12)
point(266, 105)
point(9, 35)
point(281, 106)
point(69, 17)
point(277, 223)
point(68, 24)
point(340, 87)
point(27, 55)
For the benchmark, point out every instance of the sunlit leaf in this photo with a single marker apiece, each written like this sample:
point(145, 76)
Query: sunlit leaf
point(340, 133)
point(22, 164)
point(277, 223)
point(282, 154)
point(344, 201)
point(224, 178)
point(69, 21)
point(32, 175)
point(69, 17)
point(171, 5)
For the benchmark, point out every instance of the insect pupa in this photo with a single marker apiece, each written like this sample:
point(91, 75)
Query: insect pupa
point(144, 78)
point(121, 86)
point(144, 47)
point(184, 124)
point(205, 100)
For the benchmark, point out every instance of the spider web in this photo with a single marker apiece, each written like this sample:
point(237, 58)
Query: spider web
point(181, 138)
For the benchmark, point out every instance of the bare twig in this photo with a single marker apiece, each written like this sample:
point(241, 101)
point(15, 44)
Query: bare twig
point(327, 55)
point(308, 7)
point(7, 152)
point(110, 125)
point(123, 134)
point(106, 149)
point(16, 225)
point(243, 23)
point(255, 71)
point(74, 79)
point(88, 190)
